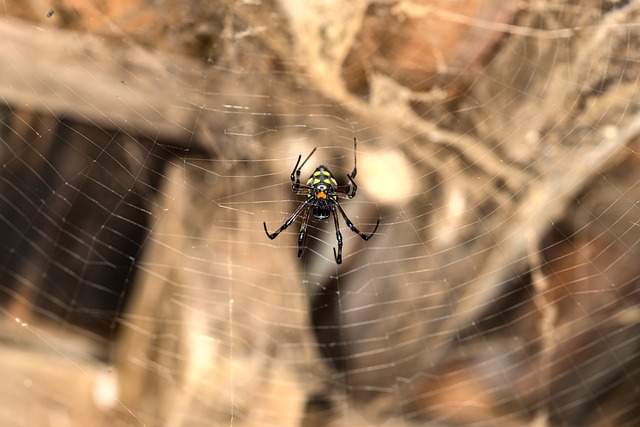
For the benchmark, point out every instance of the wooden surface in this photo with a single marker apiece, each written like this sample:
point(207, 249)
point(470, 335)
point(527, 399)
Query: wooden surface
point(83, 77)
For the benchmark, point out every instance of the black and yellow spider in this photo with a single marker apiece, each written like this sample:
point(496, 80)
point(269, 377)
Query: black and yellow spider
point(322, 192)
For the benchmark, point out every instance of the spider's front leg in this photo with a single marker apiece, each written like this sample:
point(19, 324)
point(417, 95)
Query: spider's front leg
point(287, 223)
point(302, 237)
point(353, 227)
point(338, 255)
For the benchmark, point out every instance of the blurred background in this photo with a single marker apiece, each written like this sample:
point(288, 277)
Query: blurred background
point(144, 143)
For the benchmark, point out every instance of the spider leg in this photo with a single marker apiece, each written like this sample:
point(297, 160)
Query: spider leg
point(302, 237)
point(287, 223)
point(353, 227)
point(337, 256)
point(302, 189)
point(295, 180)
point(354, 172)
point(295, 174)
point(349, 191)
point(352, 188)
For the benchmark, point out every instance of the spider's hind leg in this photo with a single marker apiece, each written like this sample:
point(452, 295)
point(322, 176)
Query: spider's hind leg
point(351, 188)
point(351, 193)
point(295, 174)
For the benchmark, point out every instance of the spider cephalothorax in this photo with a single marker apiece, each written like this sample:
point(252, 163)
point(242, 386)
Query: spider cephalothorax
point(322, 192)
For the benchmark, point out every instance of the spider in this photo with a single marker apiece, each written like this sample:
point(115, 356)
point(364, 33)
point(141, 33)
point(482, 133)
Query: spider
point(322, 192)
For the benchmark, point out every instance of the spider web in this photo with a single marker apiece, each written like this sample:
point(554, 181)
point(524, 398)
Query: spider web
point(145, 143)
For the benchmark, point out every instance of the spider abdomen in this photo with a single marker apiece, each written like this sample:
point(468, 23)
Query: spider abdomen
point(322, 192)
point(322, 183)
